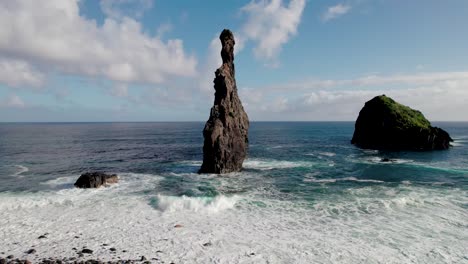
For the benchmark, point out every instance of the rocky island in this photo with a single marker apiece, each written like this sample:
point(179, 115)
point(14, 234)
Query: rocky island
point(386, 124)
point(226, 131)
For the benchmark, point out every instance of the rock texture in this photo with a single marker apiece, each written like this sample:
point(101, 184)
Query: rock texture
point(95, 180)
point(226, 131)
point(386, 124)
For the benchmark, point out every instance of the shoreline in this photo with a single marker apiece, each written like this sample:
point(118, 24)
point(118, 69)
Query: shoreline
point(83, 255)
point(81, 258)
point(73, 260)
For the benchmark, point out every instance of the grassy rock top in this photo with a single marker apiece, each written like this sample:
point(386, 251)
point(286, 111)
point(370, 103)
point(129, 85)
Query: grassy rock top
point(404, 116)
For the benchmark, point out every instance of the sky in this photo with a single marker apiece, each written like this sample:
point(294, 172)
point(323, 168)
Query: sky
point(296, 60)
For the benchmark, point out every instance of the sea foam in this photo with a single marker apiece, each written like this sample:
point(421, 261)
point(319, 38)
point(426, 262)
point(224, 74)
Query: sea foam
point(246, 229)
point(267, 164)
point(20, 170)
point(195, 204)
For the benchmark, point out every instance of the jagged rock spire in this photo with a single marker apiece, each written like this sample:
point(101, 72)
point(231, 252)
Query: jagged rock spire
point(226, 131)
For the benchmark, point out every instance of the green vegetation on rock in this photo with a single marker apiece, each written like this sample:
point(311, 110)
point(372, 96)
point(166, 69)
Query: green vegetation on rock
point(405, 116)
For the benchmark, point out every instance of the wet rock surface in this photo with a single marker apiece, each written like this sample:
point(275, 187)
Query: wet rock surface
point(95, 180)
point(226, 131)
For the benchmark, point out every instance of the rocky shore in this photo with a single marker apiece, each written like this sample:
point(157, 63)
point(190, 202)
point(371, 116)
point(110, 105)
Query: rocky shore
point(11, 260)
point(83, 255)
point(81, 258)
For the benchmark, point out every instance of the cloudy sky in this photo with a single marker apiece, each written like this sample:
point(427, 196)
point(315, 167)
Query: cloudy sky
point(154, 60)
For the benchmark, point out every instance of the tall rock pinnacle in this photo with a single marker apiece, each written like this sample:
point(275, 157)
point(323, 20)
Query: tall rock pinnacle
point(226, 131)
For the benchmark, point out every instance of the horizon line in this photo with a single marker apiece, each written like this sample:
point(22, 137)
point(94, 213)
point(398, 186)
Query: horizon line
point(199, 121)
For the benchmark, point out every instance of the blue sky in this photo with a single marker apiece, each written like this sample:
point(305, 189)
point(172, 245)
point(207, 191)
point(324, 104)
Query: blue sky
point(144, 60)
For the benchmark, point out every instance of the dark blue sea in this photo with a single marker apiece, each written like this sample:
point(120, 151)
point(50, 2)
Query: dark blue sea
point(306, 195)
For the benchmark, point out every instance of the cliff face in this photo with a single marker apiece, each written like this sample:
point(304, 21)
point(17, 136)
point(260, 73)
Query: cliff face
point(226, 131)
point(386, 124)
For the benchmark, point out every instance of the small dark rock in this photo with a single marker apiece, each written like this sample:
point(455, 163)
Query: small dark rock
point(385, 160)
point(207, 244)
point(41, 237)
point(87, 251)
point(95, 180)
point(74, 248)
point(31, 251)
point(77, 237)
point(105, 244)
point(252, 254)
point(143, 258)
point(112, 249)
point(124, 250)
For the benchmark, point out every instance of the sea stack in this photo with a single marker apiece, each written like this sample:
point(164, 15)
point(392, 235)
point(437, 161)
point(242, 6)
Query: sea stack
point(226, 131)
point(384, 124)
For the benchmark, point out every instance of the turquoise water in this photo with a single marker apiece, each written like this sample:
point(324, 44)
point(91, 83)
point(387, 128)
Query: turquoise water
point(305, 194)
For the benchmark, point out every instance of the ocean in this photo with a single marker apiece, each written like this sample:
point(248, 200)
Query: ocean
point(306, 195)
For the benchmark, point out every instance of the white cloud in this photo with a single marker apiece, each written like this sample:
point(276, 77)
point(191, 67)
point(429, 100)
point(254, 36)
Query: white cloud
point(120, 90)
point(440, 96)
point(15, 73)
point(437, 102)
point(270, 24)
point(211, 63)
point(373, 80)
point(163, 29)
point(335, 11)
point(118, 9)
point(253, 96)
point(57, 38)
point(13, 101)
